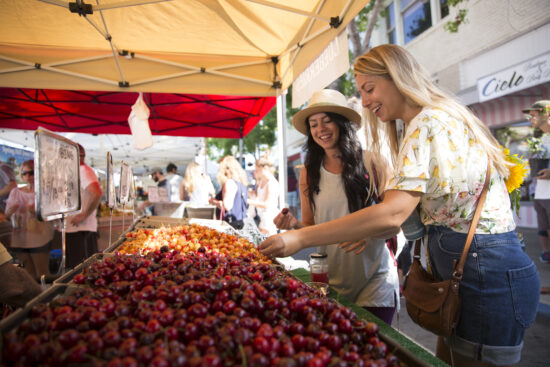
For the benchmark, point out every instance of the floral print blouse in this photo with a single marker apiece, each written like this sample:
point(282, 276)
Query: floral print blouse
point(440, 157)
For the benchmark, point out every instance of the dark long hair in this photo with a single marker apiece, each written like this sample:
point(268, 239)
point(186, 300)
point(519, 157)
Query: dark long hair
point(354, 175)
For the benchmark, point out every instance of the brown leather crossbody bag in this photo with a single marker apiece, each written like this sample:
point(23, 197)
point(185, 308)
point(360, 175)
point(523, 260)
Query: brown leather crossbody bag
point(432, 303)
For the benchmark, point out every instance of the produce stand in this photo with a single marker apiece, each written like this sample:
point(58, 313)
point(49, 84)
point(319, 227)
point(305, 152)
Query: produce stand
point(408, 352)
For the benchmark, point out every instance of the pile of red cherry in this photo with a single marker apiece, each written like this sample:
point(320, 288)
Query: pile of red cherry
point(193, 309)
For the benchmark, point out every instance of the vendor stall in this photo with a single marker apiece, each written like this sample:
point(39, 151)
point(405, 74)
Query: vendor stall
point(199, 294)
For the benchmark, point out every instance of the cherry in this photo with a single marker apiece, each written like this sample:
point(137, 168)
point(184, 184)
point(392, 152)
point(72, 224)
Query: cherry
point(68, 338)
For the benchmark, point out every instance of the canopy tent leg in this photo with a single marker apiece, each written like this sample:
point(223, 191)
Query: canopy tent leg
point(282, 152)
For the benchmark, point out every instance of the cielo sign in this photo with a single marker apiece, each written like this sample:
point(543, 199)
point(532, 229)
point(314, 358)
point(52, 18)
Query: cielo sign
point(518, 77)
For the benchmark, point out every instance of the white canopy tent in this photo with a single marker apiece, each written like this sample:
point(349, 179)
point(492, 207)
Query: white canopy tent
point(226, 47)
point(223, 47)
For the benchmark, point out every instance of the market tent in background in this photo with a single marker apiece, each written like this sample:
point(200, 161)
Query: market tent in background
point(107, 112)
point(239, 47)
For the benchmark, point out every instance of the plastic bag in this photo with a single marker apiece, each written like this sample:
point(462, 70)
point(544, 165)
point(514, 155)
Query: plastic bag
point(139, 124)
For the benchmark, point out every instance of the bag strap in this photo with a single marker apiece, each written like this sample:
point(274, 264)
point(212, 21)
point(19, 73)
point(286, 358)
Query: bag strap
point(457, 273)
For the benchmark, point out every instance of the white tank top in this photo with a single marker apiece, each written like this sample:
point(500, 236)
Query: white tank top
point(369, 279)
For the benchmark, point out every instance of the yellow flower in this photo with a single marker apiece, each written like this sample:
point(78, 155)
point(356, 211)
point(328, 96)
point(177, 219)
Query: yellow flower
point(517, 172)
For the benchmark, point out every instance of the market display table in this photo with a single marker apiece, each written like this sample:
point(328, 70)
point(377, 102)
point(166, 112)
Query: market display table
point(408, 352)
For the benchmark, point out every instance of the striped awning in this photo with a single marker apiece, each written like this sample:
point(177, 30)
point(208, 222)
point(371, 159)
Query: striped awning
point(507, 109)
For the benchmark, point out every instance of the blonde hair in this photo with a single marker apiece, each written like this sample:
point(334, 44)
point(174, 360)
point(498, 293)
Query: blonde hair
point(192, 177)
point(230, 169)
point(414, 83)
point(264, 162)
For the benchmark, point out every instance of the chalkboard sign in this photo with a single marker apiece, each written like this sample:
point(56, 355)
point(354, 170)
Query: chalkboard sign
point(57, 179)
point(126, 180)
point(111, 193)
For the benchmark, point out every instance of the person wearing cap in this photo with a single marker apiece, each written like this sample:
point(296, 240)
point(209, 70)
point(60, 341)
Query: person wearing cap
point(81, 229)
point(334, 183)
point(538, 115)
point(162, 182)
point(441, 164)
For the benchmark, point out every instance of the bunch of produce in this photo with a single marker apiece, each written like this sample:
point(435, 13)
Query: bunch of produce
point(188, 238)
point(169, 308)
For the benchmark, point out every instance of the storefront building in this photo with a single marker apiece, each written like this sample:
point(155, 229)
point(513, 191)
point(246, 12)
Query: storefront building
point(498, 62)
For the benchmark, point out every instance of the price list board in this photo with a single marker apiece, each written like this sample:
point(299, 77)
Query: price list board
point(57, 180)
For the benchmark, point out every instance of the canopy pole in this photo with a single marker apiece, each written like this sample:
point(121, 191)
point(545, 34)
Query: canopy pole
point(282, 153)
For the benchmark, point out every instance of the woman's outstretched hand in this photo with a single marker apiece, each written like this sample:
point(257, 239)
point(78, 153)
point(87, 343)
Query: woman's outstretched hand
point(280, 245)
point(357, 246)
point(285, 220)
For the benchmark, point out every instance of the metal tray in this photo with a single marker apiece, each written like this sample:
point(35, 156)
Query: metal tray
point(157, 222)
point(21, 315)
point(69, 276)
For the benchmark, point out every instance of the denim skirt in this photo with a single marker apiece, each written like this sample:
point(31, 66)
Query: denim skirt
point(499, 292)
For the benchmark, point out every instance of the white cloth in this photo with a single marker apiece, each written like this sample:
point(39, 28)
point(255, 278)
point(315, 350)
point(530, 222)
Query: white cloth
point(174, 181)
point(271, 210)
point(542, 188)
point(87, 177)
point(28, 232)
point(369, 279)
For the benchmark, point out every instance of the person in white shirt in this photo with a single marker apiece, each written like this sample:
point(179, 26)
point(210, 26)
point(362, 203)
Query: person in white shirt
point(81, 229)
point(174, 181)
point(267, 196)
point(538, 114)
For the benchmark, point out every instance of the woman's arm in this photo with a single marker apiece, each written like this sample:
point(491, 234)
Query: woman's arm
point(374, 221)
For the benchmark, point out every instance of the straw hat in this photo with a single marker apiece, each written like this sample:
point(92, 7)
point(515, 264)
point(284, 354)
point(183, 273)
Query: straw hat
point(325, 100)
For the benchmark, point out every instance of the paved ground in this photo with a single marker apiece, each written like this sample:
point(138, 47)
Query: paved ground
point(536, 351)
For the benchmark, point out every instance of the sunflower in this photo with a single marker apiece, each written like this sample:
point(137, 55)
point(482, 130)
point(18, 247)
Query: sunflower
point(517, 172)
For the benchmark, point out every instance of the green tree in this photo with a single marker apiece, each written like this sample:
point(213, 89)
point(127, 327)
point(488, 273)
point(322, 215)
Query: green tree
point(261, 138)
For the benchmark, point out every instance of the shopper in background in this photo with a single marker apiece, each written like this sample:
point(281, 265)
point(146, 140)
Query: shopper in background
point(266, 200)
point(538, 114)
point(17, 287)
point(292, 188)
point(441, 164)
point(174, 181)
point(160, 180)
point(196, 187)
point(30, 238)
point(81, 229)
point(7, 183)
point(334, 183)
point(231, 200)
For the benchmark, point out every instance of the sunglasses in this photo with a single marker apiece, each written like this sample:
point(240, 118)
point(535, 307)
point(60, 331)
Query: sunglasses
point(25, 173)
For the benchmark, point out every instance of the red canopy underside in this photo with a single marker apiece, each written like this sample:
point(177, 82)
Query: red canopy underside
point(107, 112)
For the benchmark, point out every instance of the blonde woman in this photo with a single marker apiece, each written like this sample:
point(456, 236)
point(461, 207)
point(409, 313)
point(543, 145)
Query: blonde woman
point(196, 187)
point(30, 238)
point(232, 198)
point(441, 164)
point(267, 195)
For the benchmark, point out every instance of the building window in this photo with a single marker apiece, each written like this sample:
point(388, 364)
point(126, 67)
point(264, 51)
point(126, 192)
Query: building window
point(444, 8)
point(416, 18)
point(390, 24)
